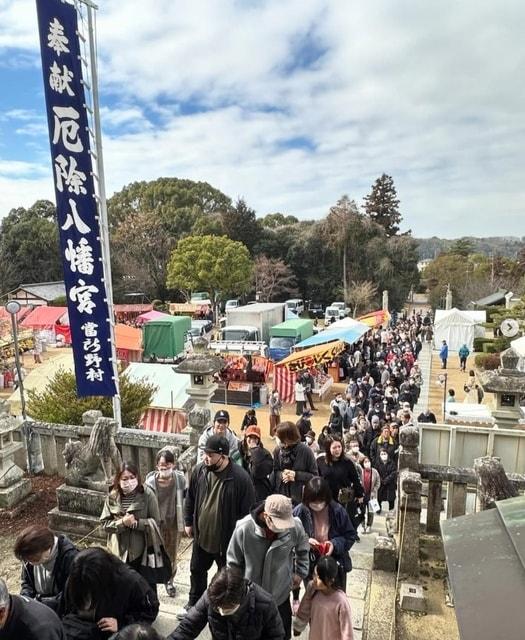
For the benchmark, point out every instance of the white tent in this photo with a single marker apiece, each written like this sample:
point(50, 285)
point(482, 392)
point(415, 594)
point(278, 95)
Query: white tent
point(457, 328)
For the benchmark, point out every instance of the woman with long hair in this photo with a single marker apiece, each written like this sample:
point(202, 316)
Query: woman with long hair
point(125, 515)
point(104, 592)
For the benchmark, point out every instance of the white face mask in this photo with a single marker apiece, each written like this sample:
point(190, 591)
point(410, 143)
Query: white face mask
point(228, 612)
point(128, 486)
point(317, 506)
point(165, 473)
point(355, 449)
point(384, 458)
point(277, 441)
point(309, 440)
point(367, 465)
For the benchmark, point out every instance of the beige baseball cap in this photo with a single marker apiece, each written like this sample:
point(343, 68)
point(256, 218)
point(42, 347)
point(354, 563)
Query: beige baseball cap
point(279, 509)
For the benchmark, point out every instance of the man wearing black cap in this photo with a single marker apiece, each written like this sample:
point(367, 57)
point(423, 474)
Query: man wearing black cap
point(220, 427)
point(219, 494)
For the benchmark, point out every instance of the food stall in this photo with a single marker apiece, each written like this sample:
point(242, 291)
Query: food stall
point(243, 381)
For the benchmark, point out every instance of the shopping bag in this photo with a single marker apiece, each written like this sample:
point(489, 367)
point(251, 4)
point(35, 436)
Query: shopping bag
point(155, 565)
point(374, 505)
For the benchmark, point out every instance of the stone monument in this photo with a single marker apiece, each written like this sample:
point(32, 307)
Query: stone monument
point(90, 468)
point(507, 383)
point(13, 486)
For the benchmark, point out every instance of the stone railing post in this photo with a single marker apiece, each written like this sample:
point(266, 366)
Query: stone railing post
point(410, 516)
point(434, 500)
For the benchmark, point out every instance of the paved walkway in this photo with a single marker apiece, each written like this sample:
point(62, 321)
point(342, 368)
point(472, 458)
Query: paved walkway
point(358, 586)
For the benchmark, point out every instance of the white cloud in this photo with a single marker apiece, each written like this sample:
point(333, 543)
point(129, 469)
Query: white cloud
point(430, 93)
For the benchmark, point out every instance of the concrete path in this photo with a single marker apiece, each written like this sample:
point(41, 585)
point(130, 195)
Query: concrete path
point(358, 586)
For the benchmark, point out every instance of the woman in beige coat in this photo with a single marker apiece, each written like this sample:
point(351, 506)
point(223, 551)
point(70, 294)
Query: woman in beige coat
point(125, 515)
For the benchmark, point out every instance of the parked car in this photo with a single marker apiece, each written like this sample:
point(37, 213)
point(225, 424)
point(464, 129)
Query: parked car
point(316, 310)
point(296, 305)
point(200, 328)
point(343, 309)
point(331, 314)
point(232, 304)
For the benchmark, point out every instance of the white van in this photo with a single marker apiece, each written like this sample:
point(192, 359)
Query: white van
point(331, 314)
point(296, 305)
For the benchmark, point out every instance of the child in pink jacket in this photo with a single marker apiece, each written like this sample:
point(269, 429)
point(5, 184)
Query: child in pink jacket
point(324, 606)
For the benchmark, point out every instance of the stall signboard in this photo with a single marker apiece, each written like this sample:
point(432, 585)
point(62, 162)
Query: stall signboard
point(77, 213)
point(312, 357)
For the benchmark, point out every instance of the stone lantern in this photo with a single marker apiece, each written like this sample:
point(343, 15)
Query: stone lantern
point(507, 384)
point(13, 486)
point(201, 366)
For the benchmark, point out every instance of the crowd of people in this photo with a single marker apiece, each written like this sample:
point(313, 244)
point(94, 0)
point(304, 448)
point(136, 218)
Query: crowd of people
point(271, 521)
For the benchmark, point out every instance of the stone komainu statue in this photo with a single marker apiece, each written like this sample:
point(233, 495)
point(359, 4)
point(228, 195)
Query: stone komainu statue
point(85, 462)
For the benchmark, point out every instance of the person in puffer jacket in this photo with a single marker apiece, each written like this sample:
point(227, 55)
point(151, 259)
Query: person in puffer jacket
point(235, 609)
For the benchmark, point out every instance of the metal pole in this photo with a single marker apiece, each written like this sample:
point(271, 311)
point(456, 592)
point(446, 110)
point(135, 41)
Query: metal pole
point(18, 367)
point(25, 431)
point(103, 212)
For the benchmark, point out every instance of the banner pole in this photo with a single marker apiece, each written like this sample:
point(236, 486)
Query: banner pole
point(102, 208)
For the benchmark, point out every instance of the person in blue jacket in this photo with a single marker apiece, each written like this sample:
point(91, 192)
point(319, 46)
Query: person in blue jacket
point(443, 354)
point(463, 354)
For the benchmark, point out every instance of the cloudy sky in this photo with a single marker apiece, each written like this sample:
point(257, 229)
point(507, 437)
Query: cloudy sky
point(293, 103)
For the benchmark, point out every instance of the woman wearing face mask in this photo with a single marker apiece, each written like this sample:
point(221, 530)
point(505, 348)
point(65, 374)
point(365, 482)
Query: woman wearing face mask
point(342, 477)
point(168, 484)
point(293, 463)
point(371, 481)
point(47, 560)
point(327, 526)
point(257, 461)
point(311, 442)
point(387, 470)
point(125, 515)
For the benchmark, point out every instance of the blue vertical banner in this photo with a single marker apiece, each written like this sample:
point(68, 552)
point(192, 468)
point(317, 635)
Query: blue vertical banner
point(77, 214)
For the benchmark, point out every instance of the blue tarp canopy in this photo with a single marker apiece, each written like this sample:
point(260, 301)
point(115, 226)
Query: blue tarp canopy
point(328, 335)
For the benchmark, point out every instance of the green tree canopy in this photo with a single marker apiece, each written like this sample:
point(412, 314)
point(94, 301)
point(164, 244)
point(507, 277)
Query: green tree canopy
point(165, 196)
point(210, 263)
point(59, 402)
point(462, 247)
point(275, 220)
point(29, 247)
point(239, 223)
point(382, 205)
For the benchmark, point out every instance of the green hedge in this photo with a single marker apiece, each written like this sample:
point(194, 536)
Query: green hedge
point(479, 342)
point(487, 361)
point(490, 347)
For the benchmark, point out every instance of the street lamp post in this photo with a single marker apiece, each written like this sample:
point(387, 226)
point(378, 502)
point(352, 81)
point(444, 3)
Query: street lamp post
point(13, 307)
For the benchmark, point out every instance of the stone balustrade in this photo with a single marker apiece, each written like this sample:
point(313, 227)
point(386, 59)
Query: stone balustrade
point(135, 445)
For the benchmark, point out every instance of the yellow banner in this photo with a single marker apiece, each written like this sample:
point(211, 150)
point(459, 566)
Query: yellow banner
point(308, 358)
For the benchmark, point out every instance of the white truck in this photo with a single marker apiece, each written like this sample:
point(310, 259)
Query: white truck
point(247, 328)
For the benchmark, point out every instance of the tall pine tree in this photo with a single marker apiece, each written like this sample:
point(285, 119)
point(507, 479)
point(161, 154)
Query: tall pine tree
point(382, 204)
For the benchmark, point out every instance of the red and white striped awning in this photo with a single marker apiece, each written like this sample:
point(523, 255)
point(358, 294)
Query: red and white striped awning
point(163, 420)
point(284, 382)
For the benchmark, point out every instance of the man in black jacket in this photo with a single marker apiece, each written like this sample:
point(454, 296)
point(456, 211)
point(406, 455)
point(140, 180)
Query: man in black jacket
point(24, 619)
point(233, 607)
point(219, 494)
point(46, 564)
